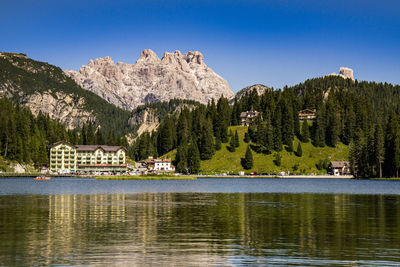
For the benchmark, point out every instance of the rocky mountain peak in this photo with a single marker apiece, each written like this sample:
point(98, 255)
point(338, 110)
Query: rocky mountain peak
point(194, 57)
point(176, 75)
point(345, 73)
point(148, 55)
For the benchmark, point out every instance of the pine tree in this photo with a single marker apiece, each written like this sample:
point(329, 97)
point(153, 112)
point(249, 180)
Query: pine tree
point(269, 134)
point(84, 140)
point(392, 149)
point(236, 140)
point(207, 147)
point(99, 137)
point(231, 146)
point(287, 124)
point(305, 132)
point(217, 143)
point(289, 147)
point(246, 137)
point(277, 126)
point(299, 151)
point(181, 159)
point(277, 160)
point(332, 125)
point(165, 141)
point(379, 148)
point(319, 128)
point(193, 158)
point(247, 161)
point(235, 117)
point(182, 128)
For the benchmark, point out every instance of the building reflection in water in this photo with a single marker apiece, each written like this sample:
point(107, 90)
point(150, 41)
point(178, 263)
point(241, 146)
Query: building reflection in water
point(195, 228)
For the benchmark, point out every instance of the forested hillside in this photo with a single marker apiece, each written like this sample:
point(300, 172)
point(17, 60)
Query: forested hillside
point(360, 114)
point(25, 138)
point(22, 77)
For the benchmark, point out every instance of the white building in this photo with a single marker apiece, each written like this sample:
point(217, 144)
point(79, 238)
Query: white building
point(160, 165)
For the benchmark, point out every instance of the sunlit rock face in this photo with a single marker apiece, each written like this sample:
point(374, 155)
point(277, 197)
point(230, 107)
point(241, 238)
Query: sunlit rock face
point(150, 79)
point(345, 73)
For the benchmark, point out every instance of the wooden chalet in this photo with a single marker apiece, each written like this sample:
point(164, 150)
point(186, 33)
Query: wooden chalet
point(309, 114)
point(248, 117)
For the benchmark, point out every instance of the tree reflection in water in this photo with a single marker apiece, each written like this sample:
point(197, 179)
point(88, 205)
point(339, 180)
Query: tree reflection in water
point(200, 228)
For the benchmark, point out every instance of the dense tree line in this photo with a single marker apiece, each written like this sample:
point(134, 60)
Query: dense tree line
point(360, 114)
point(196, 134)
point(364, 115)
point(26, 138)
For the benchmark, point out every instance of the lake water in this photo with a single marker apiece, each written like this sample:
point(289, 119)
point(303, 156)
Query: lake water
point(222, 222)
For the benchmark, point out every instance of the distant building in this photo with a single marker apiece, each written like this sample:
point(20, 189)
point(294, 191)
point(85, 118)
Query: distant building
point(248, 117)
point(339, 168)
point(309, 114)
point(68, 158)
point(159, 165)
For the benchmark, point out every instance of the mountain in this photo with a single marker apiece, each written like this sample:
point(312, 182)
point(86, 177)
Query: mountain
point(176, 75)
point(47, 89)
point(345, 73)
point(260, 88)
point(148, 117)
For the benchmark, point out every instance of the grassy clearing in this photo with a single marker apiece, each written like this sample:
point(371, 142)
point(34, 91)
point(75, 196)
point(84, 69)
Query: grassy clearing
point(225, 161)
point(145, 177)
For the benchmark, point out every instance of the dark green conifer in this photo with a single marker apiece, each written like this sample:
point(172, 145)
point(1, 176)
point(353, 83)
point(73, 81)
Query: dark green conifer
point(231, 146)
point(246, 137)
point(299, 151)
point(277, 160)
point(379, 148)
point(247, 161)
point(305, 132)
point(181, 159)
point(236, 140)
point(207, 147)
point(193, 158)
point(217, 143)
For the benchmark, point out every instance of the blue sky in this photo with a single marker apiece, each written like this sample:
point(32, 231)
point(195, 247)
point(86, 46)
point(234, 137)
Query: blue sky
point(276, 43)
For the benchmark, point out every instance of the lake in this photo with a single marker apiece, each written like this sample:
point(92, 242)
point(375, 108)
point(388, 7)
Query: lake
point(221, 222)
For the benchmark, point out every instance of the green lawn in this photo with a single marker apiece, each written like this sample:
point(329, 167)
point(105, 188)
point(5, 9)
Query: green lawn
point(226, 161)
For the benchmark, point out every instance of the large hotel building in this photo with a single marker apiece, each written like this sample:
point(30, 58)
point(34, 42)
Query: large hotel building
point(65, 157)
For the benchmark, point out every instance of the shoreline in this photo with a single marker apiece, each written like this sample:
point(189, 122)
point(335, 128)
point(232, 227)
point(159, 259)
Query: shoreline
point(188, 177)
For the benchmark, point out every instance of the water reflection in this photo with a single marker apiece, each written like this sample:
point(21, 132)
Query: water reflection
point(199, 228)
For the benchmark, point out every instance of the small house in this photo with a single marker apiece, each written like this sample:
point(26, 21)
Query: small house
point(339, 168)
point(307, 114)
point(159, 165)
point(248, 117)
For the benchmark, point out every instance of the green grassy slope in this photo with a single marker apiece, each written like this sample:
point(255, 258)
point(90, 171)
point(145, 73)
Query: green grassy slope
point(226, 161)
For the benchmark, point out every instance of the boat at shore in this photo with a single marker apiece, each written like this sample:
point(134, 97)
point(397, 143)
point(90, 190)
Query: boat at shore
point(42, 178)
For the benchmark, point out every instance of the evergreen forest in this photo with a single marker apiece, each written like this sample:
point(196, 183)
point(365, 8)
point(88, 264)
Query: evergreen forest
point(363, 115)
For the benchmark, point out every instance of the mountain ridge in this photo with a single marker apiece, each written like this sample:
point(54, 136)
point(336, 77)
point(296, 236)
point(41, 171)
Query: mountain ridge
point(151, 79)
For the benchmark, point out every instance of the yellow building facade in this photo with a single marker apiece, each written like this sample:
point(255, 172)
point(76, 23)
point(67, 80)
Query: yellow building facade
point(67, 158)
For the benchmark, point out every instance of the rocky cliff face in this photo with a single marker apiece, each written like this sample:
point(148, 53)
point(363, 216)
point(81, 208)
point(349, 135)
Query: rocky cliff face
point(31, 83)
point(260, 88)
point(345, 73)
point(46, 88)
point(176, 75)
point(66, 108)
